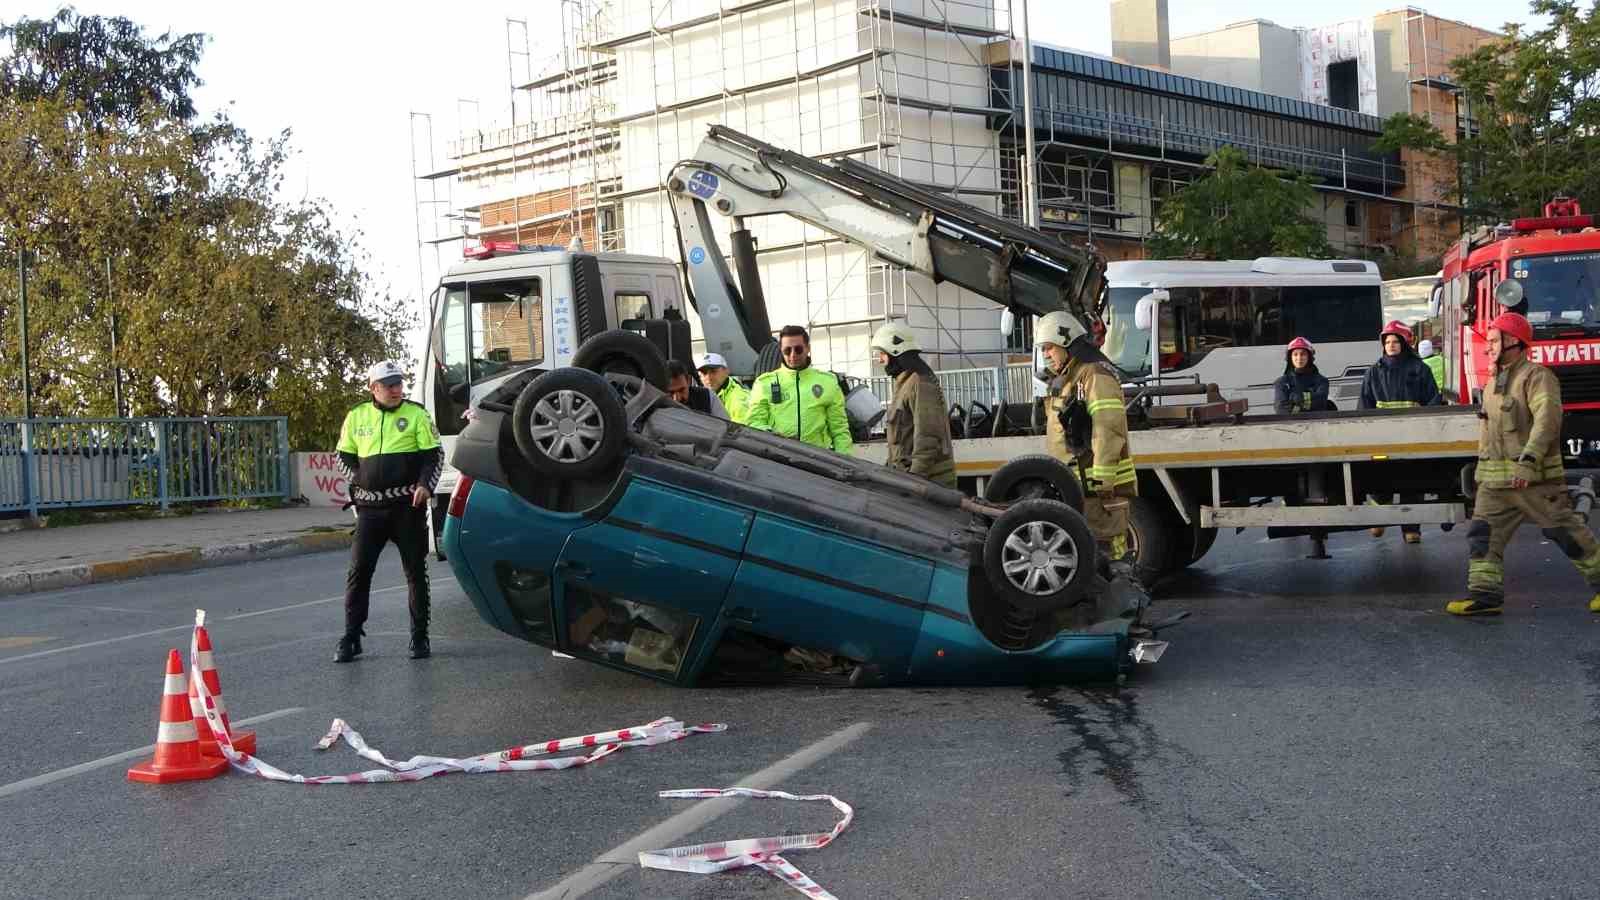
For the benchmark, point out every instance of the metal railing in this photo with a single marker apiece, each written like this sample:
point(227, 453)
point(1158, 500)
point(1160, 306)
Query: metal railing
point(61, 463)
point(990, 385)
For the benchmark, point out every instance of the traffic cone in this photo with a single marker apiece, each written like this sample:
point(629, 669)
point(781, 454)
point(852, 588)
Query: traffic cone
point(243, 741)
point(178, 756)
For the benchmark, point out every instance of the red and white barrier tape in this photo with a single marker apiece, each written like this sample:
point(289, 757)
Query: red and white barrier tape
point(706, 859)
point(513, 759)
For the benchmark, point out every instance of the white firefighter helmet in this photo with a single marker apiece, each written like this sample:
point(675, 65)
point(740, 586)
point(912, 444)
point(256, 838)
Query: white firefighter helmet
point(1059, 328)
point(895, 338)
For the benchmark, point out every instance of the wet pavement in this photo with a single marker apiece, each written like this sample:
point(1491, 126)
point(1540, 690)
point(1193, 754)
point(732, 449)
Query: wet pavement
point(1317, 729)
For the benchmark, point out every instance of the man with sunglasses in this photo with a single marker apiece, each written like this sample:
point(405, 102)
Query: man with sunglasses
point(798, 401)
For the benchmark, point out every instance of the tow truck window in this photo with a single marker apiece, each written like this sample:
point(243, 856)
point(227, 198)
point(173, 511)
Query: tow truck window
point(488, 328)
point(630, 305)
point(1562, 289)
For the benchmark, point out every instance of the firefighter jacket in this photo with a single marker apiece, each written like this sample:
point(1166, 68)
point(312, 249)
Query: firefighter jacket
point(735, 399)
point(801, 403)
point(918, 427)
point(1297, 392)
point(385, 454)
point(1399, 382)
point(1092, 390)
point(1521, 436)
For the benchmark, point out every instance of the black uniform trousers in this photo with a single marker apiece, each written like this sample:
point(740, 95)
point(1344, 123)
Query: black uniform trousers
point(376, 526)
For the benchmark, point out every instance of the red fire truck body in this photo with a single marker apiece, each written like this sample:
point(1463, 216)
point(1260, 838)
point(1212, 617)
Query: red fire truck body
point(1548, 269)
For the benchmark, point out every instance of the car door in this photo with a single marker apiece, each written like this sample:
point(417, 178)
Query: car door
point(823, 590)
point(640, 588)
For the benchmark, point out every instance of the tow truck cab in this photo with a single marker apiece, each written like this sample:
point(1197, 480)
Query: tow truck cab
point(506, 308)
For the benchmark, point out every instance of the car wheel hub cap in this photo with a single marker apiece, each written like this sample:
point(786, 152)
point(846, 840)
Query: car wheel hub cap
point(1039, 558)
point(566, 426)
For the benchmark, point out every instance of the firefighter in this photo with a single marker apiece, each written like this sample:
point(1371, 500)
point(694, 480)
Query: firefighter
point(714, 375)
point(798, 401)
point(1086, 426)
point(1301, 388)
point(918, 421)
point(1519, 474)
point(1399, 380)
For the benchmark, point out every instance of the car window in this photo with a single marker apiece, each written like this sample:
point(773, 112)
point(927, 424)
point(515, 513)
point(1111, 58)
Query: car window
point(631, 633)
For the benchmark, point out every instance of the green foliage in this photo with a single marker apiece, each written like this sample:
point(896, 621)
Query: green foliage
point(228, 299)
point(1536, 99)
point(1240, 211)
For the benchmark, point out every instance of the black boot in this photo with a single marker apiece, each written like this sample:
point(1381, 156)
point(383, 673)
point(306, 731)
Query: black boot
point(349, 649)
point(419, 645)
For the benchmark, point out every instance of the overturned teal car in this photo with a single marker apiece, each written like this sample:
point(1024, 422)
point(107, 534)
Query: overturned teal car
point(599, 518)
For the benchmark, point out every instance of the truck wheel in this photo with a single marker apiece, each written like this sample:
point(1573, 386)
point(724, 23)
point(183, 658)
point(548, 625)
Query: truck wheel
point(1039, 555)
point(1035, 476)
point(624, 352)
point(1189, 543)
point(1152, 542)
point(1203, 539)
point(569, 424)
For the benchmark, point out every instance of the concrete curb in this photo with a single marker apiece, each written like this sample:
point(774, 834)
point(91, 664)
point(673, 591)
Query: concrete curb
point(21, 581)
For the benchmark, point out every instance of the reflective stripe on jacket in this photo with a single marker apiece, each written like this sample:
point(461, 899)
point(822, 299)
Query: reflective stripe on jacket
point(917, 428)
point(1521, 432)
point(804, 403)
point(1399, 383)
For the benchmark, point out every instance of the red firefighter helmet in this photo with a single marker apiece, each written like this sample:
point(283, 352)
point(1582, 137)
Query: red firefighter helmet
point(1300, 343)
point(1398, 329)
point(1513, 325)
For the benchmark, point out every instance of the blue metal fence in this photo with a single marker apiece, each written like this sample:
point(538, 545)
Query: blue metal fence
point(60, 463)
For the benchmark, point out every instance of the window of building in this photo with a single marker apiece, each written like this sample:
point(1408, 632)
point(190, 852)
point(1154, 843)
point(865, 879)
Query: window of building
point(1344, 89)
point(1020, 340)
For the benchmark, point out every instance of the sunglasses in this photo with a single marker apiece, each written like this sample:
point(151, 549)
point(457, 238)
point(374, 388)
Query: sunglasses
point(793, 351)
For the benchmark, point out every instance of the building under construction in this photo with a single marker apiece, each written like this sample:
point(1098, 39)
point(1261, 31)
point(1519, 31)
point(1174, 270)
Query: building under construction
point(932, 91)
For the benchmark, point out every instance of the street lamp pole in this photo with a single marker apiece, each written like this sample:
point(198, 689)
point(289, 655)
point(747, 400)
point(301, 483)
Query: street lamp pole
point(1030, 193)
point(22, 324)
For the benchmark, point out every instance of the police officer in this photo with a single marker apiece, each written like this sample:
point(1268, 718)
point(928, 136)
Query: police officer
point(1520, 475)
point(714, 375)
point(1433, 360)
point(795, 400)
point(390, 455)
point(918, 420)
point(1086, 426)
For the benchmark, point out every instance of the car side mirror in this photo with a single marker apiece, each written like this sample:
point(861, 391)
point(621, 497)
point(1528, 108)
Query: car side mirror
point(1144, 312)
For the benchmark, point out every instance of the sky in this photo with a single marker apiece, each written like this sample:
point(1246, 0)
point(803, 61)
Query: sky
point(345, 75)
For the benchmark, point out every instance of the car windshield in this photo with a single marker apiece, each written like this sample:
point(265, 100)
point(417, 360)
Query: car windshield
point(1127, 345)
point(1560, 289)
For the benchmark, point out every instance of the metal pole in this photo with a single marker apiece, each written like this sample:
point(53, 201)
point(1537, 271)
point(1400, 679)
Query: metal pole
point(22, 290)
point(1030, 197)
point(116, 370)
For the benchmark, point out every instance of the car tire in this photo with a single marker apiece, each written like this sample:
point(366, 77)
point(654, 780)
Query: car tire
point(623, 352)
point(1033, 477)
point(1037, 583)
point(569, 424)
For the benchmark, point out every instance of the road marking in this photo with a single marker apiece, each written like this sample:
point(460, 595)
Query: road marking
point(17, 787)
point(624, 857)
point(188, 627)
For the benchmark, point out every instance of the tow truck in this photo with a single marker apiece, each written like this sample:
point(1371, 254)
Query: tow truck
point(1547, 268)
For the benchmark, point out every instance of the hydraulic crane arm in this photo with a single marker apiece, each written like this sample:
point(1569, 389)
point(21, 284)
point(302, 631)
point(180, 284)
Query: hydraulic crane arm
point(900, 223)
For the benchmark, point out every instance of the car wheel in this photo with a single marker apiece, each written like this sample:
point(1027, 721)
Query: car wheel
point(569, 424)
point(1033, 477)
point(623, 352)
point(1039, 555)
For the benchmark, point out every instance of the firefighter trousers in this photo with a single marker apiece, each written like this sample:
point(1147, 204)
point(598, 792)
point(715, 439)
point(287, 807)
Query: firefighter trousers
point(1108, 522)
point(1498, 512)
point(376, 526)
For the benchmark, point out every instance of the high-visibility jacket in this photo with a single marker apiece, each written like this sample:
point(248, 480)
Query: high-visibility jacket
point(1108, 460)
point(1521, 434)
point(1435, 365)
point(385, 454)
point(801, 403)
point(735, 399)
point(917, 427)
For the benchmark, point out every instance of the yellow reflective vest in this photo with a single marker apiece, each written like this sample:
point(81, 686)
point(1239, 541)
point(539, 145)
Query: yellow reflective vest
point(735, 399)
point(1108, 461)
point(801, 403)
point(1521, 434)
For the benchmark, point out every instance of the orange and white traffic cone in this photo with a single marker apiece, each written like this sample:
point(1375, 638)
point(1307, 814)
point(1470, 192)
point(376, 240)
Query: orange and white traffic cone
point(178, 756)
point(243, 741)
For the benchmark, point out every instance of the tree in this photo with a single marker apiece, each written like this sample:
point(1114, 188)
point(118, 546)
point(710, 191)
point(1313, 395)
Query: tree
point(228, 299)
point(1239, 211)
point(1535, 99)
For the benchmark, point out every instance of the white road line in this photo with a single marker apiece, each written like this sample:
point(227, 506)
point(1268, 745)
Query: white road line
point(625, 857)
point(129, 637)
point(17, 787)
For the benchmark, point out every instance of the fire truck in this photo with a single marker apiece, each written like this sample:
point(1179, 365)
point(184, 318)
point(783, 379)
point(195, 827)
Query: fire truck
point(1548, 269)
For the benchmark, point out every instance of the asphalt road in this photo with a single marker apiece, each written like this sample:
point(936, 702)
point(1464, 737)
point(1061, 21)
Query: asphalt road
point(1318, 729)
